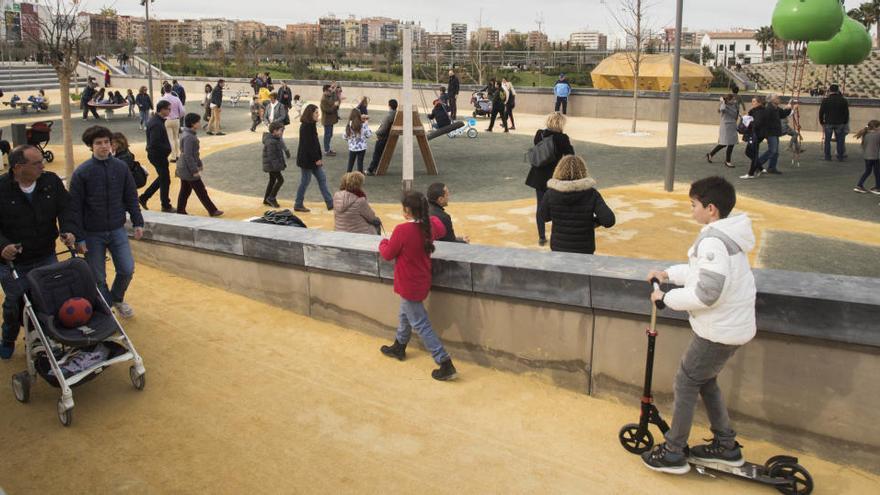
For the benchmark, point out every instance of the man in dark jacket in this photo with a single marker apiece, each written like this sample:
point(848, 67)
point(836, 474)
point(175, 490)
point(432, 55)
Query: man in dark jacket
point(382, 136)
point(771, 131)
point(834, 117)
point(285, 95)
point(438, 200)
point(215, 104)
point(33, 203)
point(158, 150)
point(87, 95)
point(439, 115)
point(452, 90)
point(177, 89)
point(102, 191)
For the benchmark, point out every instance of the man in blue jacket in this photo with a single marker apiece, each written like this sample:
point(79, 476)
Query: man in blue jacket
point(102, 191)
point(562, 90)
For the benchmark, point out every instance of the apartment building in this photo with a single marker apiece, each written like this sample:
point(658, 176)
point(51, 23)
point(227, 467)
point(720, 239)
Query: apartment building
point(331, 33)
point(589, 40)
point(459, 36)
point(220, 31)
point(486, 36)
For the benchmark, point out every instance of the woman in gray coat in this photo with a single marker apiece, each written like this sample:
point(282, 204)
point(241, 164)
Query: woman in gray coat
point(727, 135)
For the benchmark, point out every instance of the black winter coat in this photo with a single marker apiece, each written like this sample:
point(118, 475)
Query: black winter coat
point(436, 210)
point(309, 150)
point(101, 192)
point(538, 177)
point(217, 96)
point(274, 153)
point(575, 208)
point(143, 101)
point(834, 110)
point(180, 92)
point(34, 223)
point(158, 145)
point(454, 86)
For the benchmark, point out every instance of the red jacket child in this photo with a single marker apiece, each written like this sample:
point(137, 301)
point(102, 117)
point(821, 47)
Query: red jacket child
point(412, 270)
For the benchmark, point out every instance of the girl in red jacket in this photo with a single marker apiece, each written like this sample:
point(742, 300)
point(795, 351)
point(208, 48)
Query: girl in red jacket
point(411, 245)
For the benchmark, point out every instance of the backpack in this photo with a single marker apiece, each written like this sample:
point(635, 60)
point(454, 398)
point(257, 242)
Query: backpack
point(542, 154)
point(139, 173)
point(280, 217)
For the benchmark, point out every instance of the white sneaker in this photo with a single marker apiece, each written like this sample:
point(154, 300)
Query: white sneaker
point(124, 309)
point(747, 176)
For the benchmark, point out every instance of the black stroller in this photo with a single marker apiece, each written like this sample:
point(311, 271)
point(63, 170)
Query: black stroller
point(38, 135)
point(66, 357)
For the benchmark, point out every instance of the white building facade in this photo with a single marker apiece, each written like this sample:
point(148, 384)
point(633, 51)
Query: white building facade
point(731, 48)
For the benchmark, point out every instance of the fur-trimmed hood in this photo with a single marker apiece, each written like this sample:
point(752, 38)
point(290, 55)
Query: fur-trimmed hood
point(567, 186)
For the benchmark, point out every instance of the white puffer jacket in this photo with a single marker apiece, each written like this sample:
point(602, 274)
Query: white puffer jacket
point(718, 285)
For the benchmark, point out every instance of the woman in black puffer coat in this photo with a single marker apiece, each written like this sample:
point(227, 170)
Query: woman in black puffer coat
point(538, 177)
point(575, 207)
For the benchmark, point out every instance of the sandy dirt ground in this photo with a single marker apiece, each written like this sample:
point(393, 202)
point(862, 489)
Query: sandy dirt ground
point(243, 397)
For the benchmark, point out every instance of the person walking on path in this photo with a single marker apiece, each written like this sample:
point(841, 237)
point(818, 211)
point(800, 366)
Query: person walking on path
point(727, 135)
point(35, 208)
point(285, 96)
point(190, 166)
point(275, 112)
point(256, 110)
point(382, 134)
point(215, 105)
point(410, 247)
point(275, 154)
point(107, 78)
point(329, 115)
point(575, 207)
point(562, 90)
point(438, 200)
point(129, 98)
point(761, 120)
point(87, 95)
point(870, 137)
point(178, 91)
point(538, 177)
point(310, 160)
point(158, 150)
point(773, 131)
point(499, 99)
point(452, 90)
point(172, 122)
point(363, 106)
point(717, 289)
point(206, 104)
point(144, 104)
point(102, 191)
point(511, 102)
point(357, 132)
point(351, 210)
point(834, 118)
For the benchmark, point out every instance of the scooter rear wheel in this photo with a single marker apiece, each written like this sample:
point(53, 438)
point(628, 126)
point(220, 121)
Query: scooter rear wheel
point(634, 441)
point(801, 481)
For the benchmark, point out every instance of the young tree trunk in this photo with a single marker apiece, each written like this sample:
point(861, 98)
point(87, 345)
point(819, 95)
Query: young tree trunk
point(635, 98)
point(66, 127)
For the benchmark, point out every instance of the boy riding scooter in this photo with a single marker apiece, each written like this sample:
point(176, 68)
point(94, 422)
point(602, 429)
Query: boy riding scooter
point(718, 292)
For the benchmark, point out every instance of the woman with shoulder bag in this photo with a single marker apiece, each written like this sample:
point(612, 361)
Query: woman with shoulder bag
point(538, 176)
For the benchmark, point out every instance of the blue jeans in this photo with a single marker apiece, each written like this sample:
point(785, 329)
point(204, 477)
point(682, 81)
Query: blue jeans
point(145, 115)
point(414, 316)
point(13, 290)
point(772, 153)
point(116, 241)
point(328, 135)
point(839, 132)
point(305, 179)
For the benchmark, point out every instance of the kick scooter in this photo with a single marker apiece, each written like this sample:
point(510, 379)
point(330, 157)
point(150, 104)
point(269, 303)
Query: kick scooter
point(782, 472)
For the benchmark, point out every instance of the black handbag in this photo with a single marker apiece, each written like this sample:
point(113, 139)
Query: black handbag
point(139, 173)
point(542, 154)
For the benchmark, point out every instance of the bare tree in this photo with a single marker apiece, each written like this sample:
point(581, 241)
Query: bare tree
point(61, 32)
point(633, 22)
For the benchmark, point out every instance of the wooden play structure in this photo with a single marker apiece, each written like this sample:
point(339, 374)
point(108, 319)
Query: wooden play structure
point(394, 137)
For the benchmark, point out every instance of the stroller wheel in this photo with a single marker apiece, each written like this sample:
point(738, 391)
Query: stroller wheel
point(21, 386)
point(49, 156)
point(138, 381)
point(64, 415)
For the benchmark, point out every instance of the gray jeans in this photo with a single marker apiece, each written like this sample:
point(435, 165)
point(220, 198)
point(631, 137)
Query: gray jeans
point(697, 375)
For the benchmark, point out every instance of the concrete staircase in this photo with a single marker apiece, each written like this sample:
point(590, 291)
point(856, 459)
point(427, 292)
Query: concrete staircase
point(862, 81)
point(27, 77)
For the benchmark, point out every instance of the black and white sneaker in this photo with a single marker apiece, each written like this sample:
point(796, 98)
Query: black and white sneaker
point(860, 190)
point(661, 459)
point(714, 451)
point(874, 190)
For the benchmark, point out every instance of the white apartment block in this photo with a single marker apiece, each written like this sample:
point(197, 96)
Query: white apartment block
point(731, 48)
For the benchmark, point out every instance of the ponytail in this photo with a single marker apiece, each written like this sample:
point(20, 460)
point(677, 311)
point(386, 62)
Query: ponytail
point(872, 125)
point(417, 204)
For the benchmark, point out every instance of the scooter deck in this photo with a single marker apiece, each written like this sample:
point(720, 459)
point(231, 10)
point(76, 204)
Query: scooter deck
point(752, 471)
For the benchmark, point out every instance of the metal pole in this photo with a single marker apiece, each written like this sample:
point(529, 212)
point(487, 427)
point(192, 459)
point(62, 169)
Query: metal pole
point(675, 90)
point(407, 110)
point(149, 50)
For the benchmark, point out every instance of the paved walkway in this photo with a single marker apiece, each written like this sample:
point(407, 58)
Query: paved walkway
point(243, 397)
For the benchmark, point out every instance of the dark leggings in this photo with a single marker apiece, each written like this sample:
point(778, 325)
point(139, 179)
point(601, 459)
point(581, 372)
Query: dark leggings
point(359, 156)
point(509, 111)
point(756, 164)
point(871, 166)
point(718, 148)
point(276, 180)
point(542, 226)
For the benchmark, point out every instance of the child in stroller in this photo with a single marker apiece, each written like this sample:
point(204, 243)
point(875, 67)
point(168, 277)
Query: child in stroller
point(66, 357)
point(482, 104)
point(38, 135)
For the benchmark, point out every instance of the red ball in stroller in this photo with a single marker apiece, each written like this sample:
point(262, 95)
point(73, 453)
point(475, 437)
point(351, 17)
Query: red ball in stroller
point(75, 312)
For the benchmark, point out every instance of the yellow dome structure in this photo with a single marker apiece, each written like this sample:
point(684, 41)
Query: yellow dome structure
point(655, 74)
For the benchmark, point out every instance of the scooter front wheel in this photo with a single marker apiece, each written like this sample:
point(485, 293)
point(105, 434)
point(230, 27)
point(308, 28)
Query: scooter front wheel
point(801, 483)
point(635, 441)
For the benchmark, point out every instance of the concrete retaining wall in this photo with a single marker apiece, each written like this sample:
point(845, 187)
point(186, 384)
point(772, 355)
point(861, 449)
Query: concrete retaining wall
point(696, 108)
point(807, 381)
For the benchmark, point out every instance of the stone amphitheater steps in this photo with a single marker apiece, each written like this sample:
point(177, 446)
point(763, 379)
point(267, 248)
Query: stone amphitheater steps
point(861, 80)
point(18, 78)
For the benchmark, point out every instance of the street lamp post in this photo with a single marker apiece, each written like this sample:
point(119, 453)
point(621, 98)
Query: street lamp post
point(146, 4)
point(675, 90)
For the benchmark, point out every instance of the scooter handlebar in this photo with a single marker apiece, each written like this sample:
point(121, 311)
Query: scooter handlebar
point(655, 283)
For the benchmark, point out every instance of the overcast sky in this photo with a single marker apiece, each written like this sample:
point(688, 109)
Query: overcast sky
point(561, 17)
